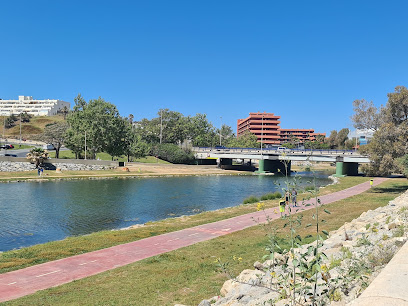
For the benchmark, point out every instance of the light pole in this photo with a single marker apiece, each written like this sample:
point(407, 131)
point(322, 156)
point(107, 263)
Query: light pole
point(262, 136)
point(4, 126)
point(161, 126)
point(20, 130)
point(220, 129)
point(85, 145)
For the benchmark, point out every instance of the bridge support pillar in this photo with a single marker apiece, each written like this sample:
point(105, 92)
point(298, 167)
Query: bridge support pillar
point(343, 169)
point(275, 166)
point(224, 162)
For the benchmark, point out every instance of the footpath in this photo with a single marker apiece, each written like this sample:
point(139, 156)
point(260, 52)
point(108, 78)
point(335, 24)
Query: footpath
point(26, 281)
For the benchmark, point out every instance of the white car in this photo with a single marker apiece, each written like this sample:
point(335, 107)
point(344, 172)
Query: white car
point(283, 149)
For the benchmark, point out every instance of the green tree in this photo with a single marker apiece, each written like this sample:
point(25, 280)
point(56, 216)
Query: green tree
point(174, 126)
point(101, 122)
point(64, 111)
point(397, 106)
point(332, 139)
point(366, 115)
point(149, 130)
point(404, 164)
point(9, 123)
point(55, 134)
point(25, 117)
point(247, 140)
point(200, 131)
point(390, 142)
point(341, 138)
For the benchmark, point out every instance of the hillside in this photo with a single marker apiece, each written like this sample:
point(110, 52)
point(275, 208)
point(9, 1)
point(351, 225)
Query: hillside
point(28, 130)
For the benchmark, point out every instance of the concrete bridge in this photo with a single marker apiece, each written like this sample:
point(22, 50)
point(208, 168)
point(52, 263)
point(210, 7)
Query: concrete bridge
point(279, 160)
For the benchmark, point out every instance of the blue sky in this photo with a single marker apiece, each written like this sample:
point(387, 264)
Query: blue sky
point(303, 60)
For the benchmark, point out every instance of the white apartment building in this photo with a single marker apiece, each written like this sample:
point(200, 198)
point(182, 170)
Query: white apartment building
point(32, 106)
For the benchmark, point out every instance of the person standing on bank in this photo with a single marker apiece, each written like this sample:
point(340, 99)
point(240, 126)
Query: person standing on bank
point(287, 196)
point(282, 206)
point(294, 195)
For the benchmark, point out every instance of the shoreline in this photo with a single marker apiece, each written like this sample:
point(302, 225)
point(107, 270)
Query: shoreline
point(136, 170)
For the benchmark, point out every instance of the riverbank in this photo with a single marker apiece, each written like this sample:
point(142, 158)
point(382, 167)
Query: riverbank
point(135, 170)
point(76, 245)
point(132, 170)
point(355, 254)
point(186, 275)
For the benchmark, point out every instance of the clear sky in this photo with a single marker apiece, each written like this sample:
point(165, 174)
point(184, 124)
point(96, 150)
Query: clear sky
point(303, 60)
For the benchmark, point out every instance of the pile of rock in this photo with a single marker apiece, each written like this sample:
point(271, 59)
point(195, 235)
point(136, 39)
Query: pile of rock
point(8, 166)
point(365, 246)
point(79, 167)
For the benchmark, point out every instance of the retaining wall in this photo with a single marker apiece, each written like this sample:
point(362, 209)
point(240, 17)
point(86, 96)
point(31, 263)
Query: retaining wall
point(13, 164)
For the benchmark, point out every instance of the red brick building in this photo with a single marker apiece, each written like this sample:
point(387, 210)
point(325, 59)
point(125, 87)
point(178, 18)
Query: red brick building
point(286, 135)
point(264, 125)
point(266, 128)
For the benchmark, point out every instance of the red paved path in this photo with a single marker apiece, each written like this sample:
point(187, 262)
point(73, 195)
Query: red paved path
point(29, 280)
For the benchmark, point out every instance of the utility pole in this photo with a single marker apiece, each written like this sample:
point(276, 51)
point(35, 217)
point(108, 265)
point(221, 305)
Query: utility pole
point(220, 129)
point(4, 125)
point(20, 130)
point(161, 126)
point(85, 145)
point(262, 137)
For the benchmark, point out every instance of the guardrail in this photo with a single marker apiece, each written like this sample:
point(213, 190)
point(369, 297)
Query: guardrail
point(274, 151)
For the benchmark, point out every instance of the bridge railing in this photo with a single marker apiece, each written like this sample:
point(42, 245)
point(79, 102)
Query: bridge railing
point(273, 151)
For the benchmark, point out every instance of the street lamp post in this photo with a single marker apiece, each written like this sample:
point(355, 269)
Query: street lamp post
point(85, 145)
point(20, 130)
point(220, 129)
point(262, 137)
point(161, 126)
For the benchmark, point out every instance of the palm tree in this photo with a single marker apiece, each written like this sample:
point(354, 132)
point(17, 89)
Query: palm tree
point(131, 118)
point(37, 156)
point(65, 111)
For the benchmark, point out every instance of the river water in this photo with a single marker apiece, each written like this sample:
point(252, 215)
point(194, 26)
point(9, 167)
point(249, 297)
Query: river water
point(38, 212)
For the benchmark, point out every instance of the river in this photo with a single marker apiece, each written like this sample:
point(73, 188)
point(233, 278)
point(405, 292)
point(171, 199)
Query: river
point(38, 212)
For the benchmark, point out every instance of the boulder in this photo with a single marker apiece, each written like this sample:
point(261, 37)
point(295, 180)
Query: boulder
point(228, 286)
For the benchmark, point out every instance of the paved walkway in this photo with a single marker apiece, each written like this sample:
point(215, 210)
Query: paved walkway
point(29, 280)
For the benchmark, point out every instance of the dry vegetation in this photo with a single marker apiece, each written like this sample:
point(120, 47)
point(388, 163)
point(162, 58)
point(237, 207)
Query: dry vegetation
point(34, 127)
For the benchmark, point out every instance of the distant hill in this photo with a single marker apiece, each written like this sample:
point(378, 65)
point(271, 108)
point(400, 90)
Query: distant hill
point(29, 129)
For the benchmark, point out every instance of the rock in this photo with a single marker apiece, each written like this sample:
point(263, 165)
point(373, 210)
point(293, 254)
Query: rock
point(228, 286)
point(204, 303)
point(258, 266)
point(251, 277)
point(374, 242)
point(391, 226)
point(348, 244)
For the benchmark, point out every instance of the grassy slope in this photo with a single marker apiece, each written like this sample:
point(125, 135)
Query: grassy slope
point(188, 275)
point(34, 127)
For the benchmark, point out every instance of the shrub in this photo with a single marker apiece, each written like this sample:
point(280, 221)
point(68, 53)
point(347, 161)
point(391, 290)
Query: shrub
point(309, 188)
point(399, 231)
point(271, 196)
point(251, 199)
point(173, 153)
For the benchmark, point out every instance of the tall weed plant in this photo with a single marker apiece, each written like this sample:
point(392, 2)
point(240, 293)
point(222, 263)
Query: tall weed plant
point(295, 275)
